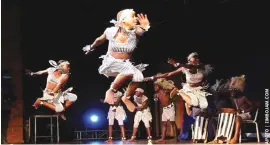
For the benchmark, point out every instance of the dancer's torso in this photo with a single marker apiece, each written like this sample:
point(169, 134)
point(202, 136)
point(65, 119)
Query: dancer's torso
point(121, 47)
point(194, 80)
point(140, 100)
point(52, 79)
point(164, 98)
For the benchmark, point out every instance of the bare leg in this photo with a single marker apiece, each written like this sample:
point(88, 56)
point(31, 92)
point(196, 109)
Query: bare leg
point(186, 98)
point(174, 129)
point(148, 132)
point(164, 129)
point(130, 90)
point(67, 104)
point(133, 134)
point(110, 134)
point(123, 131)
point(237, 130)
point(117, 83)
point(37, 103)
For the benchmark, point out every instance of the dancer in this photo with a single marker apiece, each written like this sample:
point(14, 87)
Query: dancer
point(143, 114)
point(117, 112)
point(123, 39)
point(53, 96)
point(165, 91)
point(193, 92)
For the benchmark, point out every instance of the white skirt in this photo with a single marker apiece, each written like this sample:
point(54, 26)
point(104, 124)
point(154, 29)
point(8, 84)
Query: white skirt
point(197, 95)
point(112, 67)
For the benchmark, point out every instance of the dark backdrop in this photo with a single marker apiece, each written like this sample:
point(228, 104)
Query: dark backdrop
point(231, 35)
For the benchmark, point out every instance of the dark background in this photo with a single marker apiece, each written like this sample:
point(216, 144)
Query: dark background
point(231, 35)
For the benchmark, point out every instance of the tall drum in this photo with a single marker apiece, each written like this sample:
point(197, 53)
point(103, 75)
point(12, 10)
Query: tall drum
point(200, 129)
point(225, 126)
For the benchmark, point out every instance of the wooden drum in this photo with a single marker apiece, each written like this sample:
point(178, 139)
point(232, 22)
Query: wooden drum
point(225, 126)
point(200, 129)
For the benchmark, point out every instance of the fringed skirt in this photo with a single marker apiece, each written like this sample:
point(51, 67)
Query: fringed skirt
point(197, 95)
point(112, 67)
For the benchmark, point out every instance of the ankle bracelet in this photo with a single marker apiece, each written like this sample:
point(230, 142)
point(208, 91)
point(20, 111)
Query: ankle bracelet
point(123, 138)
point(110, 138)
point(149, 137)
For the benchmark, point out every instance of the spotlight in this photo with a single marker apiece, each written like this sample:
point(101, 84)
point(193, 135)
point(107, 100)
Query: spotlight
point(94, 118)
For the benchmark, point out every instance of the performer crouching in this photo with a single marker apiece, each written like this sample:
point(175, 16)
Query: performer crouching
point(53, 97)
point(143, 114)
point(117, 112)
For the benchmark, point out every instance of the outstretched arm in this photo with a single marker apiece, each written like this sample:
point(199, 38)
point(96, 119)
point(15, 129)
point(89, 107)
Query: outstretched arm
point(29, 72)
point(169, 74)
point(98, 41)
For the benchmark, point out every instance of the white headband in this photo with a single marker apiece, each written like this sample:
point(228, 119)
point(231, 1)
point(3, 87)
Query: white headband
point(63, 63)
point(54, 64)
point(124, 14)
point(192, 55)
point(139, 90)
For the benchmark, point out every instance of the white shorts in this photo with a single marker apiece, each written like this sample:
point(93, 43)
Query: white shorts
point(168, 113)
point(117, 113)
point(144, 116)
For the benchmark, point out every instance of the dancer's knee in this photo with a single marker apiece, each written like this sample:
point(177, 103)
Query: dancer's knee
point(137, 77)
point(120, 122)
point(59, 108)
point(146, 124)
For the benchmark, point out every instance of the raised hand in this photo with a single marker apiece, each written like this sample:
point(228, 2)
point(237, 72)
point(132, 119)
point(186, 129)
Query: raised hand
point(29, 72)
point(143, 20)
point(87, 49)
point(171, 61)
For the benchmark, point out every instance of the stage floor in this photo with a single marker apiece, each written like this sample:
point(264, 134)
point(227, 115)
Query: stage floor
point(98, 142)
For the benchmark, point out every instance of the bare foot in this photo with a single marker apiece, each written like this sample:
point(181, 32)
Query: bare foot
point(160, 141)
point(233, 141)
point(62, 115)
point(213, 142)
point(109, 141)
point(36, 104)
point(109, 97)
point(131, 139)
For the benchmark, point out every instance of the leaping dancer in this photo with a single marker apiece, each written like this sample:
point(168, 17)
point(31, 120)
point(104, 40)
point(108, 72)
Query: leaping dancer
point(53, 97)
point(123, 39)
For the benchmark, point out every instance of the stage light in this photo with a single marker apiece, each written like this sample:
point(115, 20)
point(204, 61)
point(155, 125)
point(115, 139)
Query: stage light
point(94, 118)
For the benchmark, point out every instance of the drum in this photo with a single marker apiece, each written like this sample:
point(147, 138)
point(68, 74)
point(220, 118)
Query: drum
point(200, 129)
point(225, 126)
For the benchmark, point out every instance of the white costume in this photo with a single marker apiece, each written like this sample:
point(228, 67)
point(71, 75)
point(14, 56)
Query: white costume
point(196, 94)
point(143, 115)
point(168, 113)
point(112, 66)
point(61, 97)
point(116, 112)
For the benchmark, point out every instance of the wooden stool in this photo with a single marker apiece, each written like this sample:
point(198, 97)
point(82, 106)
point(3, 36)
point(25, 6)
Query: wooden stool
point(51, 126)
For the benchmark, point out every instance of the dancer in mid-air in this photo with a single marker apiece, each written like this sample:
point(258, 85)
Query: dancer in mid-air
point(123, 39)
point(193, 92)
point(53, 97)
